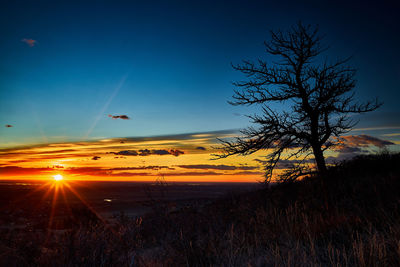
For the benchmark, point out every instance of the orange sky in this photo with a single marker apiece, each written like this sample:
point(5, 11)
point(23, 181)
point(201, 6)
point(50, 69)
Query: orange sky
point(177, 158)
point(185, 157)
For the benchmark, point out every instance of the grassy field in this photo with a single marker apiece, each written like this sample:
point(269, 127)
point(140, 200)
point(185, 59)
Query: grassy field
point(351, 219)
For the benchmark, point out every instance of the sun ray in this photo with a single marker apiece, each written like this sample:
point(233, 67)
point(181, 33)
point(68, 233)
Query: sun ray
point(104, 108)
point(49, 190)
point(87, 205)
point(31, 192)
point(53, 208)
point(57, 192)
point(66, 202)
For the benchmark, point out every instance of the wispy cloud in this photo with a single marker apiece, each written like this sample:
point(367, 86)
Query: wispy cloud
point(394, 127)
point(364, 140)
point(144, 159)
point(249, 173)
point(29, 42)
point(142, 168)
point(286, 163)
point(122, 117)
point(114, 172)
point(392, 134)
point(15, 170)
point(217, 167)
point(192, 173)
point(353, 145)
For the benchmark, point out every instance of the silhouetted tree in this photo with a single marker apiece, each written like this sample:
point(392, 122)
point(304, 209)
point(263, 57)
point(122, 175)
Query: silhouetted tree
point(316, 97)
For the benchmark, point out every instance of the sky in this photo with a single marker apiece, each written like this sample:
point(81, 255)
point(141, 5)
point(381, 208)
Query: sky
point(76, 73)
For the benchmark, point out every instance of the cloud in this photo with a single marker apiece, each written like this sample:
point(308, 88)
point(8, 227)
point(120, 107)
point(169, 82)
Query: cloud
point(285, 163)
point(99, 171)
point(147, 152)
point(122, 117)
point(176, 152)
point(191, 173)
point(353, 145)
point(392, 134)
point(379, 128)
point(8, 126)
point(217, 167)
point(364, 140)
point(15, 170)
point(29, 42)
point(92, 171)
point(142, 168)
point(114, 172)
point(26, 158)
point(204, 136)
point(349, 149)
point(248, 173)
point(130, 174)
point(261, 161)
point(126, 153)
point(57, 167)
point(349, 146)
point(345, 152)
point(210, 173)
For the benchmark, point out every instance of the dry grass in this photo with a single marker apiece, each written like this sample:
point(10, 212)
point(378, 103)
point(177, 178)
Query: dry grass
point(352, 220)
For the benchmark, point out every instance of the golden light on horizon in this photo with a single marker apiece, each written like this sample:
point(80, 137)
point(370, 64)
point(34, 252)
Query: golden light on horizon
point(57, 177)
point(80, 161)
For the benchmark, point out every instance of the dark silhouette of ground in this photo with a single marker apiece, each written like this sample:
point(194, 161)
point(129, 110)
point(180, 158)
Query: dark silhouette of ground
point(352, 219)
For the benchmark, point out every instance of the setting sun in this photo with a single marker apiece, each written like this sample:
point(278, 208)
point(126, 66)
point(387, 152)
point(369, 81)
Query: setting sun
point(58, 177)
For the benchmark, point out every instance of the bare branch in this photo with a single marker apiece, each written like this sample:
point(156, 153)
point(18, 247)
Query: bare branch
point(317, 99)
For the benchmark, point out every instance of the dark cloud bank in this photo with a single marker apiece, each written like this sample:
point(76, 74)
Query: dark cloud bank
point(147, 152)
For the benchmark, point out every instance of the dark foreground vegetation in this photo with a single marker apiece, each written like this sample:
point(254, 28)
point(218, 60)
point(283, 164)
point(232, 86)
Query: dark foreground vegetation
point(351, 220)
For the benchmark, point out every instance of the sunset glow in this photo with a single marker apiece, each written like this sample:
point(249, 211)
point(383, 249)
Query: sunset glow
point(129, 92)
point(58, 177)
point(187, 157)
point(199, 133)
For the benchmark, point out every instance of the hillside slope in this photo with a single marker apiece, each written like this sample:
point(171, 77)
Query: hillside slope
point(353, 219)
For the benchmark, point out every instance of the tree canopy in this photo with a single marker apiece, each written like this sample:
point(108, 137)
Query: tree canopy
point(316, 95)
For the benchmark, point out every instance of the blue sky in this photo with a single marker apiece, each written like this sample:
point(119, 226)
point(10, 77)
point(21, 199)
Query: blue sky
point(167, 64)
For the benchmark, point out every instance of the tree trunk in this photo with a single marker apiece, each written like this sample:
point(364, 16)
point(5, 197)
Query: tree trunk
point(322, 171)
point(320, 160)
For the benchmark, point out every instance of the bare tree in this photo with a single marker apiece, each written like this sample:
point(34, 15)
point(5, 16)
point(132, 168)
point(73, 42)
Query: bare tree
point(316, 97)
